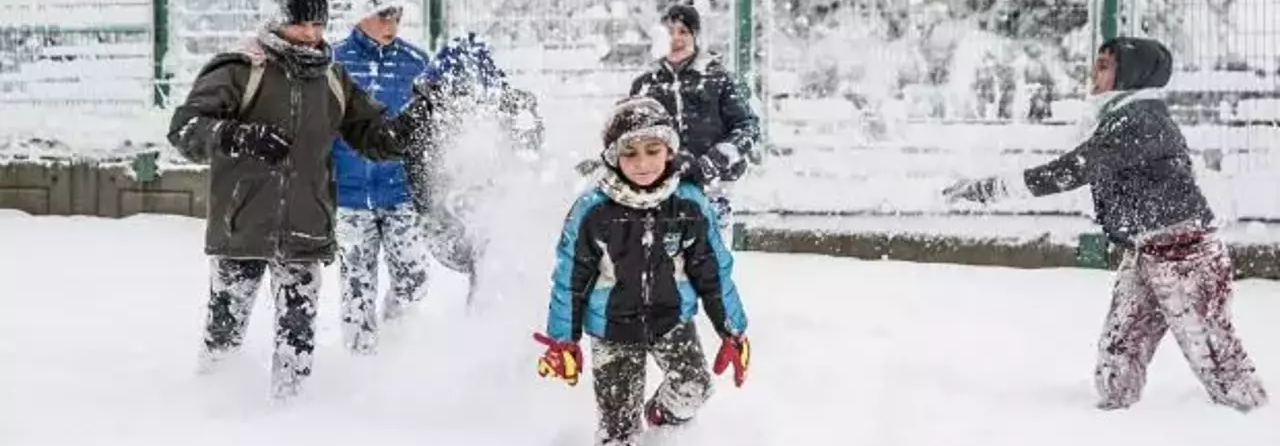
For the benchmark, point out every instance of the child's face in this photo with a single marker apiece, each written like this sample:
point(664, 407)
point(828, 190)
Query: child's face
point(644, 160)
point(308, 34)
point(1104, 72)
point(681, 39)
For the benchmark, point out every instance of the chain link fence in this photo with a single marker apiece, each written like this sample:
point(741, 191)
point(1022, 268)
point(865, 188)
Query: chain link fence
point(866, 97)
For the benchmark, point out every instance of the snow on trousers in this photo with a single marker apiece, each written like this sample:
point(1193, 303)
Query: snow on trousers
point(719, 196)
point(619, 370)
point(362, 234)
point(1178, 282)
point(295, 286)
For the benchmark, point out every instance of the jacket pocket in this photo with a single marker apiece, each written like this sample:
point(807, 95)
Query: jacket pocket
point(326, 215)
point(240, 194)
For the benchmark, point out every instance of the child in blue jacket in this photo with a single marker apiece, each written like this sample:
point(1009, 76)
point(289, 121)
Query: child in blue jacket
point(637, 255)
point(375, 214)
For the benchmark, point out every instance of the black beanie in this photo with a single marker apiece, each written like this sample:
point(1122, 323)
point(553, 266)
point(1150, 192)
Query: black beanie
point(685, 15)
point(298, 11)
point(1140, 63)
point(635, 117)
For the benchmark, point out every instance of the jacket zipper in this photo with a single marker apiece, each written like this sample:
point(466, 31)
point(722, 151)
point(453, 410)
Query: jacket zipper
point(286, 165)
point(646, 279)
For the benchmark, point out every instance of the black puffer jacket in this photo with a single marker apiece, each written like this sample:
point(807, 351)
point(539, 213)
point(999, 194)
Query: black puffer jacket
point(709, 105)
point(1136, 159)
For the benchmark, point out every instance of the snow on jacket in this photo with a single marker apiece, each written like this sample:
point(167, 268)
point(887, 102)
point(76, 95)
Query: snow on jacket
point(708, 104)
point(285, 211)
point(1136, 158)
point(631, 274)
point(386, 72)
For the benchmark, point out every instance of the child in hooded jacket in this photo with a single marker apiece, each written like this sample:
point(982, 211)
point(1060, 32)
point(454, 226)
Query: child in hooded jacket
point(637, 254)
point(1175, 274)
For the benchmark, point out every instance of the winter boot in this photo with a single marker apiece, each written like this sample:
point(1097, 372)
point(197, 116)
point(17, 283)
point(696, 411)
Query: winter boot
point(657, 416)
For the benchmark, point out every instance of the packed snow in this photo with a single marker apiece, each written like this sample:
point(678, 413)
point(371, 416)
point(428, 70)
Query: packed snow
point(100, 321)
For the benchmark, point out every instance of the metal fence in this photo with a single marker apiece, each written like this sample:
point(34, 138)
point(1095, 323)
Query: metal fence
point(853, 91)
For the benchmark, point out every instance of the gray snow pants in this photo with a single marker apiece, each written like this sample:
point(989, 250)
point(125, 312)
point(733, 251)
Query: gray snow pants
point(1177, 281)
point(619, 371)
point(362, 234)
point(295, 286)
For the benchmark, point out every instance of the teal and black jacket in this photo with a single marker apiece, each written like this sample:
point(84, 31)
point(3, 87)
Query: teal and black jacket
point(631, 275)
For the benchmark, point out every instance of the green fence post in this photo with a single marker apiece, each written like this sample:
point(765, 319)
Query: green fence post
point(739, 235)
point(744, 44)
point(435, 23)
point(160, 46)
point(1092, 251)
point(1110, 19)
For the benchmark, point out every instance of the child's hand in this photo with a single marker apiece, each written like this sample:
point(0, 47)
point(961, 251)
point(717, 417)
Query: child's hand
point(734, 350)
point(562, 359)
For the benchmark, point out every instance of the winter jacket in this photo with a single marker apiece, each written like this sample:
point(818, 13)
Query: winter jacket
point(626, 274)
point(1136, 158)
point(386, 73)
point(281, 212)
point(1138, 165)
point(709, 106)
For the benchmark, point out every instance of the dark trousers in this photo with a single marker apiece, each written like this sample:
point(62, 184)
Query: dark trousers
point(619, 370)
point(295, 286)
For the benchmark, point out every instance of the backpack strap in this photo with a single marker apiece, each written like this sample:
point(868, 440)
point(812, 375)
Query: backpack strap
point(335, 85)
point(251, 87)
point(255, 81)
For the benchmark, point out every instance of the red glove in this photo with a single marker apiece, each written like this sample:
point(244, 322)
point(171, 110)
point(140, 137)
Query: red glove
point(734, 350)
point(562, 359)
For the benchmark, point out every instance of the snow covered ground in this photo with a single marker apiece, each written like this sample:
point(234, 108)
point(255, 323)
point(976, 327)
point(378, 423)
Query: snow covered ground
point(100, 319)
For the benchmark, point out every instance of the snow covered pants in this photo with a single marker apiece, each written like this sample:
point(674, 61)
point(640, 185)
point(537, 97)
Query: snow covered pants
point(1181, 282)
point(619, 370)
point(361, 235)
point(719, 196)
point(295, 286)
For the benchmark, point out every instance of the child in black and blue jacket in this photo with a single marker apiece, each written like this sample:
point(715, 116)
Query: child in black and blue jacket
point(638, 253)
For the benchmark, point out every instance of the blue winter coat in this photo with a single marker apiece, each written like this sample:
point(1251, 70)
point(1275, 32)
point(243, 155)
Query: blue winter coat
point(387, 74)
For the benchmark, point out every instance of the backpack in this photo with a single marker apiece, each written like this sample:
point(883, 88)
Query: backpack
point(255, 81)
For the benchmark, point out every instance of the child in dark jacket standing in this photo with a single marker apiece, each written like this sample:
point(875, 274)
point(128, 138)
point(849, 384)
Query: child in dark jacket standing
point(637, 254)
point(1175, 274)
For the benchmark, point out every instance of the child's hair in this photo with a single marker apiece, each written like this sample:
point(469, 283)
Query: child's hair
point(633, 118)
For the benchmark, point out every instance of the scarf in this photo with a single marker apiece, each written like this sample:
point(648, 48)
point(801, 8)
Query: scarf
point(1102, 105)
point(300, 61)
point(627, 194)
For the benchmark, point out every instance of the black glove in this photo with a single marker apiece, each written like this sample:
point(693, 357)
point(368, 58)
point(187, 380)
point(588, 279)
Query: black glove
point(263, 141)
point(984, 190)
point(422, 105)
point(701, 170)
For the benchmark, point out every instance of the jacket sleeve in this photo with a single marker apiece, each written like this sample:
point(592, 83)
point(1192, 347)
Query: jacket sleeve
point(576, 268)
point(709, 266)
point(741, 125)
point(196, 126)
point(638, 85)
point(1123, 140)
point(365, 128)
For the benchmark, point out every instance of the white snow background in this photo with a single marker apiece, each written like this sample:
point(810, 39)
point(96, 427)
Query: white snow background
point(100, 321)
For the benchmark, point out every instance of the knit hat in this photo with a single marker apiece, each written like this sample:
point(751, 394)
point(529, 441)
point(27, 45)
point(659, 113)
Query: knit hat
point(686, 15)
point(298, 11)
point(363, 9)
point(1140, 63)
point(633, 118)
